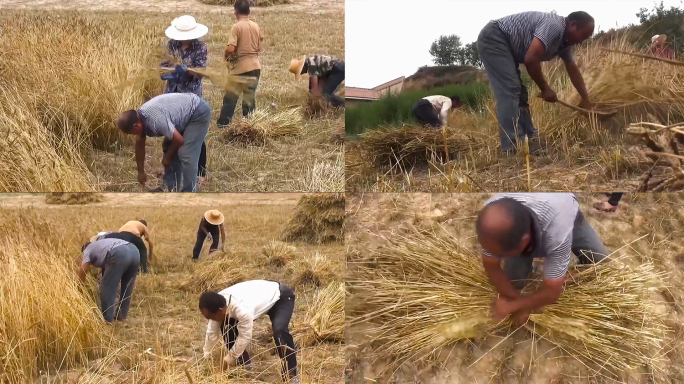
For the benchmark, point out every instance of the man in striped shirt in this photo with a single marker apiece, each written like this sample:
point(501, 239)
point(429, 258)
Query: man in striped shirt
point(183, 120)
point(529, 38)
point(519, 227)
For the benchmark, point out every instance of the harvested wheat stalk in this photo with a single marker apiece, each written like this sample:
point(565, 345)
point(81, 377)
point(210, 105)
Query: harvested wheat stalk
point(262, 125)
point(426, 290)
point(325, 315)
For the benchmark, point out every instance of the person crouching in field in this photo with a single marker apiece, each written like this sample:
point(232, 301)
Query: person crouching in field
point(529, 38)
point(244, 45)
point(133, 232)
point(660, 48)
point(183, 119)
point(516, 228)
point(432, 111)
point(184, 45)
point(326, 73)
point(232, 313)
point(211, 224)
point(121, 260)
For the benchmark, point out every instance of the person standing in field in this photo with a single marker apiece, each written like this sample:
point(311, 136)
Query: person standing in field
point(529, 38)
point(433, 110)
point(232, 312)
point(121, 260)
point(244, 46)
point(518, 227)
point(184, 45)
point(326, 73)
point(181, 118)
point(660, 48)
point(210, 225)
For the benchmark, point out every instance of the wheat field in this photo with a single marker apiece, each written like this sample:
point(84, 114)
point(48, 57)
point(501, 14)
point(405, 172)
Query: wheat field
point(52, 329)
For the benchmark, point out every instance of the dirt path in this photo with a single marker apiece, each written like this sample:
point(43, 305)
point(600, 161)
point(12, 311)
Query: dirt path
point(312, 6)
point(17, 200)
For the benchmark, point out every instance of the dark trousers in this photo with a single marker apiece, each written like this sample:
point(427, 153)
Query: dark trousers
point(248, 100)
point(135, 240)
point(425, 113)
point(332, 81)
point(202, 166)
point(614, 198)
point(586, 245)
point(280, 315)
point(201, 236)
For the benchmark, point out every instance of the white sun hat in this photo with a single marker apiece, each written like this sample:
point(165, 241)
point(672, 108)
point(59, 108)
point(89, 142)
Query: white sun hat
point(186, 28)
point(654, 38)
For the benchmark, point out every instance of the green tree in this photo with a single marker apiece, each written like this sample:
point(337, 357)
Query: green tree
point(471, 57)
point(661, 20)
point(446, 50)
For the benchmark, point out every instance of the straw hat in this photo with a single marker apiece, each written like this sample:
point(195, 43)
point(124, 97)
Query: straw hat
point(186, 28)
point(296, 66)
point(214, 217)
point(654, 38)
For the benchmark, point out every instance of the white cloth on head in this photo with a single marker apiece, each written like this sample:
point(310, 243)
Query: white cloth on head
point(246, 301)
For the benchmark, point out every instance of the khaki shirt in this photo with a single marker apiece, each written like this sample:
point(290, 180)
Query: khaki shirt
point(246, 36)
point(135, 227)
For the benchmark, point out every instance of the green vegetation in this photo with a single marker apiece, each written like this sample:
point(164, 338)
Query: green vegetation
point(396, 109)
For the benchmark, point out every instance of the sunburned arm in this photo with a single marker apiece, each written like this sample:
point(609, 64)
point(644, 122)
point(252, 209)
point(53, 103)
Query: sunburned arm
point(230, 49)
point(533, 59)
point(576, 79)
point(498, 278)
point(146, 234)
point(547, 294)
point(140, 153)
point(83, 271)
point(314, 85)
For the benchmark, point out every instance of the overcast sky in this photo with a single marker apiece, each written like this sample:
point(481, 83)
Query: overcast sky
point(386, 39)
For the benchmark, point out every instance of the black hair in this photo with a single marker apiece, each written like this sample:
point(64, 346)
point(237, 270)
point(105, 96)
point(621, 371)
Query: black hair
point(242, 7)
point(521, 219)
point(211, 301)
point(84, 246)
point(582, 18)
point(143, 221)
point(127, 119)
point(455, 100)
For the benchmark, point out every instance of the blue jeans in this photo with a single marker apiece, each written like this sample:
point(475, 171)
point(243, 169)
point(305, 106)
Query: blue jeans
point(121, 268)
point(512, 106)
point(184, 164)
point(248, 100)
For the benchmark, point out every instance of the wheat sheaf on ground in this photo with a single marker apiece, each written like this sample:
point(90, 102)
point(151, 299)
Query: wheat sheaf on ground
point(426, 290)
point(263, 125)
point(71, 198)
point(318, 218)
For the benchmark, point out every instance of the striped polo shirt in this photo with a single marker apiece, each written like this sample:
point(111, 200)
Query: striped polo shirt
point(553, 217)
point(165, 112)
point(96, 252)
point(522, 28)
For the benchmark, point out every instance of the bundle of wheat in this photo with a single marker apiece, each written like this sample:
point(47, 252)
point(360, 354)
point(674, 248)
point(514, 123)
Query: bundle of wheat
point(318, 218)
point(215, 275)
point(316, 269)
point(278, 254)
point(72, 198)
point(262, 125)
point(411, 144)
point(325, 315)
point(425, 290)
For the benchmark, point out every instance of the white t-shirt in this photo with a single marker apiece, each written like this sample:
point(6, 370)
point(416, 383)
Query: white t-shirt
point(441, 104)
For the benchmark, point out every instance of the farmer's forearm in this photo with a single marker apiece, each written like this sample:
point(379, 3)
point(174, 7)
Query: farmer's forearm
point(537, 300)
point(173, 148)
point(151, 248)
point(502, 283)
point(81, 274)
point(577, 79)
point(140, 154)
point(534, 69)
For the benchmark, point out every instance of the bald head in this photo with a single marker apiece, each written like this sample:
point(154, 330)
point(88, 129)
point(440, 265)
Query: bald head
point(504, 227)
point(129, 122)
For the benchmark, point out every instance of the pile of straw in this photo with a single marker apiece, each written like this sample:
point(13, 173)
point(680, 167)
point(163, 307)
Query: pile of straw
point(263, 125)
point(412, 145)
point(318, 219)
point(216, 275)
point(278, 254)
point(73, 198)
point(425, 290)
point(325, 315)
point(316, 270)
